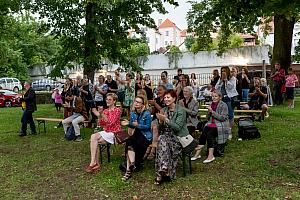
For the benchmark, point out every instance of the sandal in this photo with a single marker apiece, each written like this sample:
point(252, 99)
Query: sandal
point(147, 153)
point(151, 156)
point(132, 167)
point(163, 172)
point(158, 180)
point(126, 176)
point(93, 168)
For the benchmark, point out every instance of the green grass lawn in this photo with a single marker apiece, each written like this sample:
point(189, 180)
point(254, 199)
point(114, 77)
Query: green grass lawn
point(45, 166)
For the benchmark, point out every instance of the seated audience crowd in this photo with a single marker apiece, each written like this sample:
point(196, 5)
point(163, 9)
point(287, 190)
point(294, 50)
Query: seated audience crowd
point(160, 116)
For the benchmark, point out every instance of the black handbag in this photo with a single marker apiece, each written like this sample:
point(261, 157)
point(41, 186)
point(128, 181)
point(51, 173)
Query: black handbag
point(247, 130)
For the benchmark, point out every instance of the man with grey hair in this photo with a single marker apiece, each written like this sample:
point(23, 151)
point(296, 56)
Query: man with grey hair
point(28, 106)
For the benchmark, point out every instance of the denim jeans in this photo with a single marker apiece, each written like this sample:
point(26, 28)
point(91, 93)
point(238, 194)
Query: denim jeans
point(227, 100)
point(27, 119)
point(74, 120)
point(245, 93)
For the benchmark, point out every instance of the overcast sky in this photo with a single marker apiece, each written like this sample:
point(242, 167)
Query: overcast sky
point(176, 14)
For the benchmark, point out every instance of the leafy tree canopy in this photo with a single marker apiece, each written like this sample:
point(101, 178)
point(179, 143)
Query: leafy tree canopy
point(234, 42)
point(135, 56)
point(24, 43)
point(241, 16)
point(92, 30)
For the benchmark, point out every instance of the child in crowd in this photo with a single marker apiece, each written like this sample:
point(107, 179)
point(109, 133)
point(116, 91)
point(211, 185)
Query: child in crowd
point(57, 100)
point(290, 81)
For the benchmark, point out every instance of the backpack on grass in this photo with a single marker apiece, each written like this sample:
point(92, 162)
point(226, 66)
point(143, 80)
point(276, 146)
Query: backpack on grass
point(247, 130)
point(70, 134)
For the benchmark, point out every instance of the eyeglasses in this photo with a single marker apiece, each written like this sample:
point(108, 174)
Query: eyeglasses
point(109, 99)
point(138, 102)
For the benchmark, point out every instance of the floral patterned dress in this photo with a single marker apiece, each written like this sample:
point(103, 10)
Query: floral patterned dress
point(167, 152)
point(129, 94)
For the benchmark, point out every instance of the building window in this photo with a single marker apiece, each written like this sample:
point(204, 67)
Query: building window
point(170, 42)
point(156, 40)
point(148, 39)
point(167, 33)
point(166, 43)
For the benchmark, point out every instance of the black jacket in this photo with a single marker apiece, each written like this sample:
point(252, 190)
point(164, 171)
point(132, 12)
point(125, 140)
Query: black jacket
point(30, 100)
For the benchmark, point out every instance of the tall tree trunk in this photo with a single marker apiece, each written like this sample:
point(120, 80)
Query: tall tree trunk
point(283, 34)
point(90, 57)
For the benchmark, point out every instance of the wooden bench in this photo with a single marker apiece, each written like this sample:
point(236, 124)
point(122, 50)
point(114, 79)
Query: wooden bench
point(43, 120)
point(236, 111)
point(236, 117)
point(239, 113)
point(248, 111)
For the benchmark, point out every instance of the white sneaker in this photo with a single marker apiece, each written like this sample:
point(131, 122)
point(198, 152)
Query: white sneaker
point(195, 158)
point(209, 160)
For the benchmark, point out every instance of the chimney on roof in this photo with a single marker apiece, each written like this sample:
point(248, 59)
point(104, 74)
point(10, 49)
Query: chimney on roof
point(159, 22)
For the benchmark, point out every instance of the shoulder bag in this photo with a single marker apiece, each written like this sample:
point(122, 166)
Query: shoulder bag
point(188, 143)
point(121, 136)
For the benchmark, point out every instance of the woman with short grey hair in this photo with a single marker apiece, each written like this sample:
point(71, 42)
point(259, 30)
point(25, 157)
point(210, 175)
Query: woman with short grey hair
point(190, 105)
point(215, 131)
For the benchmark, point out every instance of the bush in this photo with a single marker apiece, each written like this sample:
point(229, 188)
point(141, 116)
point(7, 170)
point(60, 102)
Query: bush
point(43, 98)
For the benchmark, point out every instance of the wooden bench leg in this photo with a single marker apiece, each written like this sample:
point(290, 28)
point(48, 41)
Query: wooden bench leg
point(102, 147)
point(100, 153)
point(41, 122)
point(108, 152)
point(190, 163)
point(185, 156)
point(183, 163)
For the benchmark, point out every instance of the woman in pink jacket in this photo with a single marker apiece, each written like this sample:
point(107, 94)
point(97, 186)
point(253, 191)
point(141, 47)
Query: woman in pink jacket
point(290, 81)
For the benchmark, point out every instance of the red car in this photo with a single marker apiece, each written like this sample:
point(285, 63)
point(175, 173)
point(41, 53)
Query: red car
point(9, 98)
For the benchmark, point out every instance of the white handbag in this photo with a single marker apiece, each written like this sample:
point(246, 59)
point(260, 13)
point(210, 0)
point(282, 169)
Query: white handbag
point(186, 140)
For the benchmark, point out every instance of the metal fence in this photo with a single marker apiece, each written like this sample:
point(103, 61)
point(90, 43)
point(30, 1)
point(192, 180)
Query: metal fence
point(202, 79)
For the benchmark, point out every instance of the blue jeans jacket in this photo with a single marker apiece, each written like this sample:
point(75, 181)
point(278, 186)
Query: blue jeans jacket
point(144, 121)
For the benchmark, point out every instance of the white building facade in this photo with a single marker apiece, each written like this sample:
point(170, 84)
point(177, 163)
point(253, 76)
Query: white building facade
point(166, 34)
point(269, 39)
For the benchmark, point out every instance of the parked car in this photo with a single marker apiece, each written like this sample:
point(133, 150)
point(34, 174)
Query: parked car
point(9, 98)
point(10, 84)
point(44, 84)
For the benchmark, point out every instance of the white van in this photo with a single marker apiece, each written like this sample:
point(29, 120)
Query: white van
point(10, 84)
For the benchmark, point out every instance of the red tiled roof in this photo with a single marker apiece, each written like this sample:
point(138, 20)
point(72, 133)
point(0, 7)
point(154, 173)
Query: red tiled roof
point(247, 36)
point(183, 33)
point(167, 24)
